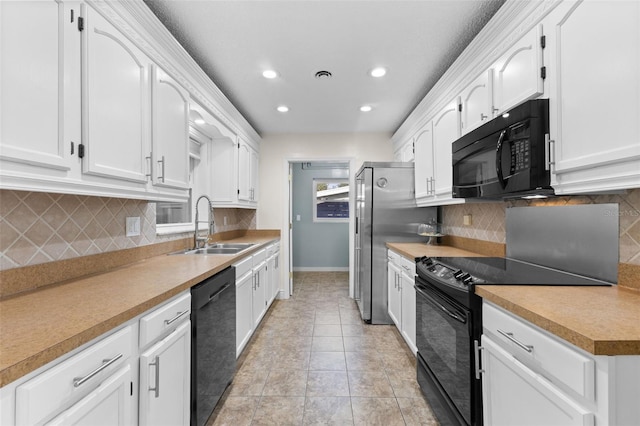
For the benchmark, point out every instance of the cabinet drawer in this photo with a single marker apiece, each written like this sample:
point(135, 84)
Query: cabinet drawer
point(243, 266)
point(163, 319)
point(392, 256)
point(67, 382)
point(553, 359)
point(408, 267)
point(259, 257)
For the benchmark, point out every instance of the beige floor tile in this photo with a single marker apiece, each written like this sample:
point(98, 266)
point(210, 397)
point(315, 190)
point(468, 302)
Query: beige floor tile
point(327, 383)
point(280, 411)
point(328, 411)
point(291, 359)
point(376, 412)
point(327, 344)
point(374, 384)
point(286, 383)
point(352, 330)
point(327, 318)
point(332, 361)
point(237, 411)
point(404, 384)
point(248, 383)
point(358, 343)
point(327, 330)
point(364, 361)
point(416, 412)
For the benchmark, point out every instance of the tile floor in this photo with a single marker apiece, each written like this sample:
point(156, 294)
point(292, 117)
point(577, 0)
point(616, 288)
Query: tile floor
point(313, 361)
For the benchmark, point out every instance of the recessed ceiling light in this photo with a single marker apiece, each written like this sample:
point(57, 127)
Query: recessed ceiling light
point(378, 72)
point(269, 74)
point(366, 108)
point(283, 108)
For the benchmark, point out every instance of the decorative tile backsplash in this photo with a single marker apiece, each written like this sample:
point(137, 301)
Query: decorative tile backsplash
point(42, 227)
point(488, 219)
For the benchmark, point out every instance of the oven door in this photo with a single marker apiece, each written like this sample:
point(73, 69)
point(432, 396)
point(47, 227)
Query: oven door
point(443, 339)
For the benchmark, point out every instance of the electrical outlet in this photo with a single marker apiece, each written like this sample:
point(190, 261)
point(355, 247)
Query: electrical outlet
point(224, 220)
point(133, 226)
point(466, 220)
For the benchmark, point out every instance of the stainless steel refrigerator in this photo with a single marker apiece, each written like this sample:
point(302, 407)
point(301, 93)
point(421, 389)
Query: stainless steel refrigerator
point(385, 212)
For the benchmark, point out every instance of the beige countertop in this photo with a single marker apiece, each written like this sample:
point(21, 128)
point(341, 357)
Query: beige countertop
point(600, 320)
point(37, 327)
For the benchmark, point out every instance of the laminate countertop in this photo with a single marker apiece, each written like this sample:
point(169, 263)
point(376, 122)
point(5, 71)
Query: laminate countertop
point(41, 325)
point(600, 320)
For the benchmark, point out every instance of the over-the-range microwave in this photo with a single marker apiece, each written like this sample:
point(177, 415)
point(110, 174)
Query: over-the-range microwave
point(507, 157)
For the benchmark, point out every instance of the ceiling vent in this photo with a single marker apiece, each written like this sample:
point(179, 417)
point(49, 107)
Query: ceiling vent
point(323, 75)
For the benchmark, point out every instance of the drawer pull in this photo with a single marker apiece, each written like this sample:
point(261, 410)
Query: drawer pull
point(174, 319)
point(509, 336)
point(77, 381)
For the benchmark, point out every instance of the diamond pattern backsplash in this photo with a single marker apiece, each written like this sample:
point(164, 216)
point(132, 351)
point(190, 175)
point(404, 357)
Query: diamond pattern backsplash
point(488, 219)
point(42, 227)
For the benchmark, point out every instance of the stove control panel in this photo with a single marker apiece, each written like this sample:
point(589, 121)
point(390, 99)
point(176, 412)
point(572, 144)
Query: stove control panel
point(428, 268)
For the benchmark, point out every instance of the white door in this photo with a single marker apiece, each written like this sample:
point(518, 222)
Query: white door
point(115, 102)
point(259, 293)
point(394, 294)
point(515, 395)
point(39, 83)
point(477, 102)
point(244, 311)
point(595, 95)
point(423, 170)
point(408, 312)
point(107, 405)
point(170, 135)
point(165, 380)
point(446, 129)
point(517, 75)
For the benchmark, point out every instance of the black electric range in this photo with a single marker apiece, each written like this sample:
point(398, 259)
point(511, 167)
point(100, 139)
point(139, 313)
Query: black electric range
point(449, 325)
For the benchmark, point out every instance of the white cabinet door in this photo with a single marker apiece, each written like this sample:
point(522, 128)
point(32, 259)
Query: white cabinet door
point(244, 311)
point(224, 171)
point(446, 129)
point(517, 75)
point(165, 380)
point(273, 269)
point(170, 136)
point(259, 299)
point(39, 114)
point(394, 294)
point(515, 395)
point(477, 102)
point(423, 170)
point(115, 102)
point(254, 166)
point(407, 152)
point(244, 171)
point(595, 95)
point(408, 311)
point(107, 405)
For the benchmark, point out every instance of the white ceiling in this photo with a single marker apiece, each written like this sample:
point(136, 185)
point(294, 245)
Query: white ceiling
point(233, 41)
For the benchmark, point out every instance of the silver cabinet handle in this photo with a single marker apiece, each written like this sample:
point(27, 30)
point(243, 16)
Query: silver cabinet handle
point(483, 117)
point(156, 364)
point(77, 381)
point(476, 351)
point(162, 161)
point(549, 147)
point(174, 319)
point(150, 164)
point(528, 348)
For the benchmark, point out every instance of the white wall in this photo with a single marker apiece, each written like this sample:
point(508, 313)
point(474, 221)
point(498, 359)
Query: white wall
point(276, 149)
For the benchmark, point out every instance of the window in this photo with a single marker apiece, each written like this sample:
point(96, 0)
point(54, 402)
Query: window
point(330, 200)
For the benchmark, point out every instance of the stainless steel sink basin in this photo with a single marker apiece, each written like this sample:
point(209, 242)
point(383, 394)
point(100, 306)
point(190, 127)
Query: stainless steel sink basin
point(219, 248)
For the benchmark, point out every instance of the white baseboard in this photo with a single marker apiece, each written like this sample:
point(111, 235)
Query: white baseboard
point(320, 269)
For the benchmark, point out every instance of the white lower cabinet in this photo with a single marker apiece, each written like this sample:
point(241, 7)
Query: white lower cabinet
point(402, 296)
point(273, 272)
point(531, 377)
point(165, 380)
point(259, 299)
point(244, 311)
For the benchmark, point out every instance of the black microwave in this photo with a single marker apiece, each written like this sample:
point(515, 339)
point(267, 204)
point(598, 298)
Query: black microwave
point(507, 157)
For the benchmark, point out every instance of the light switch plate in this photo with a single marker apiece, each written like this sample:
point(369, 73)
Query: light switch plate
point(133, 226)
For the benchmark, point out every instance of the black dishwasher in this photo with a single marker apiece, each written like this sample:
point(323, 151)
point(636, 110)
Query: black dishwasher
point(213, 342)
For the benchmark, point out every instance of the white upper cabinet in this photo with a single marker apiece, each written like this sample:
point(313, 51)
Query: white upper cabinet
point(247, 173)
point(40, 52)
point(594, 69)
point(477, 102)
point(170, 135)
point(517, 73)
point(423, 170)
point(405, 152)
point(115, 98)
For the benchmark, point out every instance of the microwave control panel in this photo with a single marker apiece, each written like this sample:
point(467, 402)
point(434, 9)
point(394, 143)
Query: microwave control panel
point(520, 155)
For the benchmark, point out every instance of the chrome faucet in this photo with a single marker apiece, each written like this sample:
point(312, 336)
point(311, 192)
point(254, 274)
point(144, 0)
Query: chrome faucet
point(210, 229)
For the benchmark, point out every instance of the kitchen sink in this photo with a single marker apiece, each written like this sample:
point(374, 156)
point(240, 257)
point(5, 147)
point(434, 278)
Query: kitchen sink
point(219, 248)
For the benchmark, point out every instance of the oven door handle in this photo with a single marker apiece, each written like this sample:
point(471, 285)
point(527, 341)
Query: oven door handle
point(499, 148)
point(439, 305)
